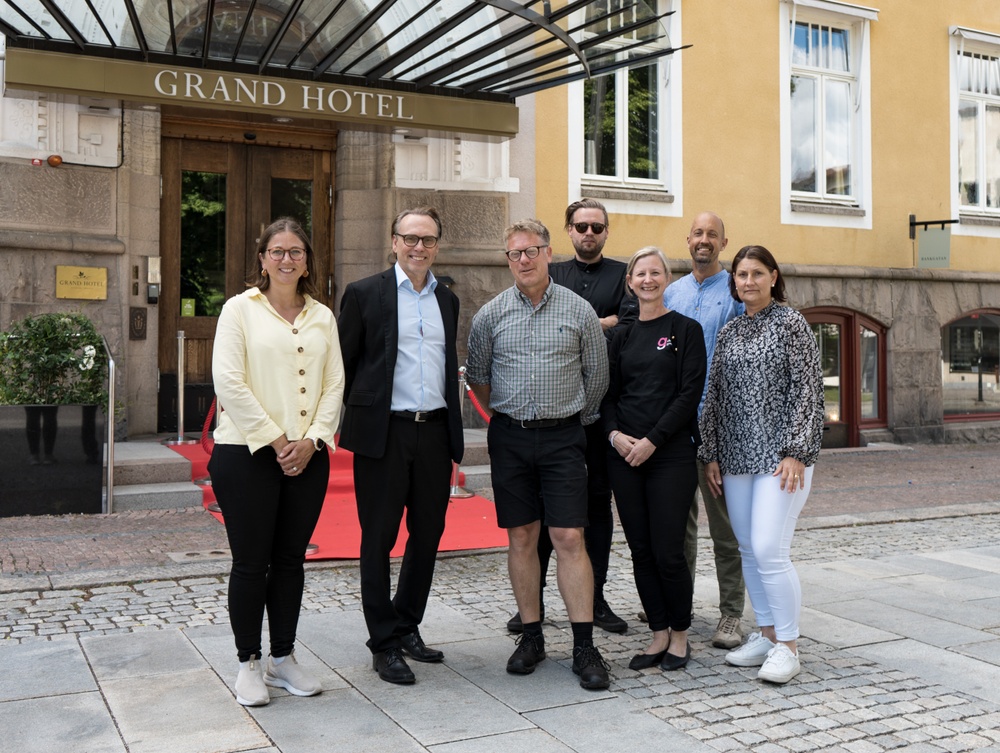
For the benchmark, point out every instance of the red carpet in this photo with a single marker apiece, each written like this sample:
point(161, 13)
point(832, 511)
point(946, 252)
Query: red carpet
point(471, 523)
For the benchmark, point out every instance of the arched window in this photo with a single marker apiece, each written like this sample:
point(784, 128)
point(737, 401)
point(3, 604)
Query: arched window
point(970, 366)
point(852, 352)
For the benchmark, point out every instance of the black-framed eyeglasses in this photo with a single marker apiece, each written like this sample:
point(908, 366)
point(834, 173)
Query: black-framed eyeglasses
point(531, 252)
point(295, 254)
point(597, 227)
point(410, 241)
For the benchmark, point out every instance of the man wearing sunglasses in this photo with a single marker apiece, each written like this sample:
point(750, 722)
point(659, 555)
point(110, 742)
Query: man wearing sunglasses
point(538, 359)
point(600, 282)
point(403, 423)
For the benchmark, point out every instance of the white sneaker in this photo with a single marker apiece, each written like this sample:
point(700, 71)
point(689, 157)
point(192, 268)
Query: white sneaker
point(290, 676)
point(752, 653)
point(780, 666)
point(250, 687)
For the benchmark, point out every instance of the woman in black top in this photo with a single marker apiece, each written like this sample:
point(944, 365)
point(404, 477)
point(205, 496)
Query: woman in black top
point(650, 415)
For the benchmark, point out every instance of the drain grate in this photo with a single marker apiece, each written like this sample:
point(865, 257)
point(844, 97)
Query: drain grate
point(200, 556)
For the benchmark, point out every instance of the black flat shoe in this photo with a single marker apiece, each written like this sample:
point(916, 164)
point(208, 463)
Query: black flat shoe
point(645, 661)
point(671, 662)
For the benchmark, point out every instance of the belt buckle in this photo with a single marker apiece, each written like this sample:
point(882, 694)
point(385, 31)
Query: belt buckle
point(420, 416)
point(525, 421)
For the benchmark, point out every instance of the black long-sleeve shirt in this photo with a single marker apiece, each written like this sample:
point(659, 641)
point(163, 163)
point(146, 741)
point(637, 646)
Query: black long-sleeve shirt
point(657, 375)
point(601, 284)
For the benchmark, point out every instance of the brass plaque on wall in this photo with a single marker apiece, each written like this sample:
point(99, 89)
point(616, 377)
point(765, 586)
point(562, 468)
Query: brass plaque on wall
point(85, 283)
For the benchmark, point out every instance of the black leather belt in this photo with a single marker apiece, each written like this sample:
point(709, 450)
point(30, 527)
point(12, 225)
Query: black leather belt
point(538, 423)
point(421, 415)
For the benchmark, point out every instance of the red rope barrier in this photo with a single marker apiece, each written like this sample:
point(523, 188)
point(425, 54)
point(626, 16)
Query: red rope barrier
point(206, 443)
point(475, 403)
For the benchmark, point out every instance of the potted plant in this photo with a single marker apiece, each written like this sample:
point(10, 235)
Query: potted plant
point(52, 382)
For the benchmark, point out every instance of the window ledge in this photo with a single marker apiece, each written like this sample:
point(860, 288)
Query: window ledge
point(595, 191)
point(979, 219)
point(817, 208)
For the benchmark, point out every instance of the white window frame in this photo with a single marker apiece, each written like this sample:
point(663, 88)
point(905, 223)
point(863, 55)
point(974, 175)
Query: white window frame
point(828, 211)
point(638, 196)
point(983, 223)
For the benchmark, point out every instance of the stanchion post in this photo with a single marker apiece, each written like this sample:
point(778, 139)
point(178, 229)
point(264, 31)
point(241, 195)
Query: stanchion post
point(180, 394)
point(459, 492)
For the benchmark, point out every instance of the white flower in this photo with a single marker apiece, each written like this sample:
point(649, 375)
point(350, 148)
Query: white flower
point(87, 362)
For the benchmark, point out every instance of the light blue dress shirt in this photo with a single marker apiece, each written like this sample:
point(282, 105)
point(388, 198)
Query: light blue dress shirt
point(419, 377)
point(709, 303)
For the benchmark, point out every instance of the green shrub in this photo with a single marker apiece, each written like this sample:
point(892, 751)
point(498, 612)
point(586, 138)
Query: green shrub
point(53, 359)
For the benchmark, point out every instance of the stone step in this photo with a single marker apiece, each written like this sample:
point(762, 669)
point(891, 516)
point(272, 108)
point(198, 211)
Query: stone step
point(148, 462)
point(156, 496)
point(477, 477)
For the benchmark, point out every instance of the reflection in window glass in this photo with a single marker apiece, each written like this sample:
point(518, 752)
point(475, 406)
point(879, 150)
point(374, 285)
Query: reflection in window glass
point(828, 342)
point(203, 243)
point(642, 126)
point(869, 374)
point(803, 133)
point(970, 365)
point(837, 138)
point(292, 198)
point(968, 149)
point(599, 126)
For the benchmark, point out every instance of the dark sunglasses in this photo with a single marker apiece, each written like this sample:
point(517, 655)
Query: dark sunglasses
point(597, 227)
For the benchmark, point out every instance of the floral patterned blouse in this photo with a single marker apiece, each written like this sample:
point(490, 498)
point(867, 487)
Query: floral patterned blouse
point(764, 400)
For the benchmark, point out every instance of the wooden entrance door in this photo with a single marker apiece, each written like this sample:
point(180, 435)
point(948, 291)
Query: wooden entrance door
point(217, 198)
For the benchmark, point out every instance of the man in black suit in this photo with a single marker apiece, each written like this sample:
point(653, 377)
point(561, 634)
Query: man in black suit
point(403, 423)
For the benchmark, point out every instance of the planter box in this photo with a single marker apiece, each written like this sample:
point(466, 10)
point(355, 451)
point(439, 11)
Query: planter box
point(51, 459)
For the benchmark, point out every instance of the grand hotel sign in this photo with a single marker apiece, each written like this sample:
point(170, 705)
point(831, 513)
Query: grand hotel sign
point(119, 79)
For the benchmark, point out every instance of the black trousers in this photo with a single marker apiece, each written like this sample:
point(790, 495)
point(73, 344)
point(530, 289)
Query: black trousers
point(653, 502)
point(415, 475)
point(600, 526)
point(269, 518)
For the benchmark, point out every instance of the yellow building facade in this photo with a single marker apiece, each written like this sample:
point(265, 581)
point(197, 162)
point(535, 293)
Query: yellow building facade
point(817, 128)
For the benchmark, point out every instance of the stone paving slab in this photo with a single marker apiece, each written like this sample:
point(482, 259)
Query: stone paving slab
point(74, 722)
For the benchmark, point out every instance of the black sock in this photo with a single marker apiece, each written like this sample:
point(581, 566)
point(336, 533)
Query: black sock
point(533, 628)
point(583, 633)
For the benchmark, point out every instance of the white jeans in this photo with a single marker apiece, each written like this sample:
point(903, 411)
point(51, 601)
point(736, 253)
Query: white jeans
point(763, 518)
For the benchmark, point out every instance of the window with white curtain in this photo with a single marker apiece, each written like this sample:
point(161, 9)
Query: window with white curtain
point(826, 134)
point(978, 129)
point(823, 128)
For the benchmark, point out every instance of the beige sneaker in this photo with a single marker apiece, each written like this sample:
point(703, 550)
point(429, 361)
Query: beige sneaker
point(290, 676)
point(728, 633)
point(250, 687)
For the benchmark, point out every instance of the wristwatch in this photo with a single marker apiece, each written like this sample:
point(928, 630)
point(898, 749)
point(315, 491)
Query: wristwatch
point(318, 444)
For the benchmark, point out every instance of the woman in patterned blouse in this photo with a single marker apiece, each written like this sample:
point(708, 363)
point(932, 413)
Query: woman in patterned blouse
point(650, 416)
point(761, 428)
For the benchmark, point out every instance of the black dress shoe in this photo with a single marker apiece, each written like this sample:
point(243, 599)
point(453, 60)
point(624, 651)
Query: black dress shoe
point(392, 667)
point(414, 645)
point(671, 662)
point(590, 665)
point(645, 661)
point(530, 650)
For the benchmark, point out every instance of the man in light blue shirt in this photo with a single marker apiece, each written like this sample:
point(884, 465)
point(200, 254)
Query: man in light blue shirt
point(704, 296)
point(403, 422)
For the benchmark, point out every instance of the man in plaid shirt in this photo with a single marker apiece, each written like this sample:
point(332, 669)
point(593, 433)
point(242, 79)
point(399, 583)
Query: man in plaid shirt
point(538, 359)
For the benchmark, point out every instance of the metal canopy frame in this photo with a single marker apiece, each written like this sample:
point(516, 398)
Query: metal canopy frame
point(486, 49)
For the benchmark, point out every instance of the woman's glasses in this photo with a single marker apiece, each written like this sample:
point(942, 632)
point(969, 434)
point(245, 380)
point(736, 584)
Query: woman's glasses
point(295, 254)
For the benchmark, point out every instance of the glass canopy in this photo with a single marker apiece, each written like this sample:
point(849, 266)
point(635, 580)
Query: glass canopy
point(494, 49)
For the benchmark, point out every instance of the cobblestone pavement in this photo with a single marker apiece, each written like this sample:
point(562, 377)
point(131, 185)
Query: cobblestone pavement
point(890, 482)
point(843, 700)
point(881, 547)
